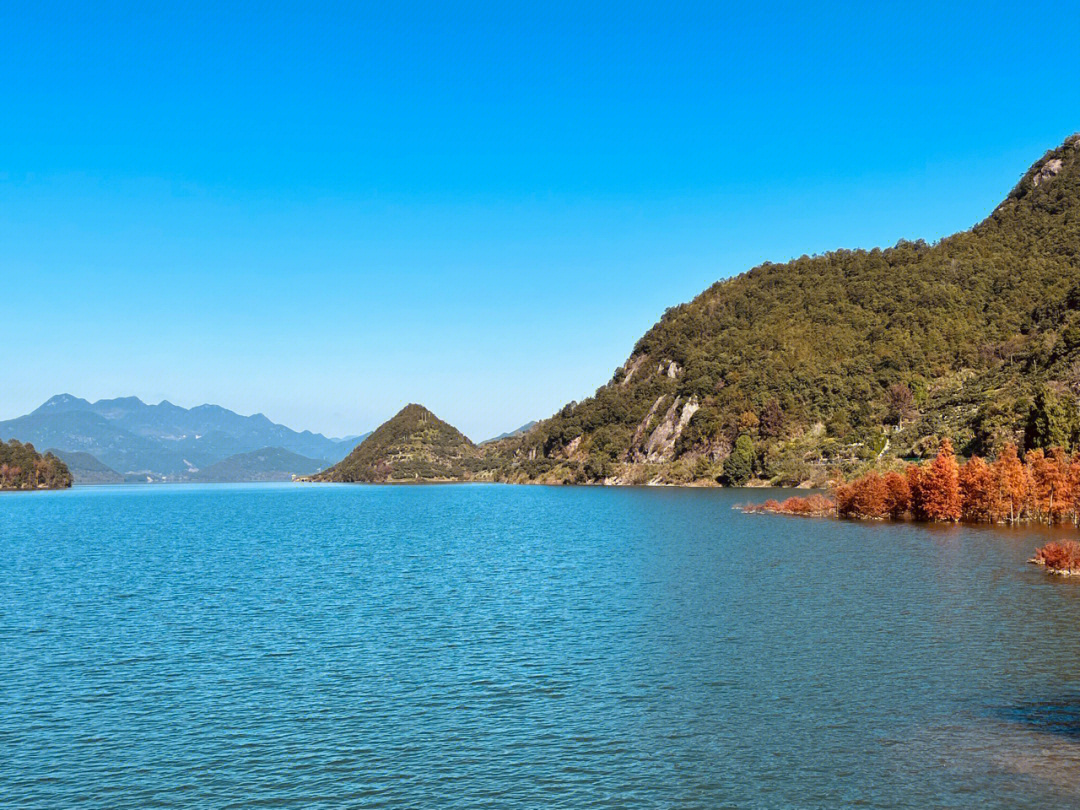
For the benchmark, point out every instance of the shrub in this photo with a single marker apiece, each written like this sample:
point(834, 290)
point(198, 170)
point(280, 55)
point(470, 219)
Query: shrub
point(1063, 556)
point(739, 466)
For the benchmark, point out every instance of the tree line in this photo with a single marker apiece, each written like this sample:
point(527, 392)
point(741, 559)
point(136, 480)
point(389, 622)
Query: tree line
point(1043, 487)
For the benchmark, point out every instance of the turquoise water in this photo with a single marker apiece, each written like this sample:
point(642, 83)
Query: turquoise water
point(521, 647)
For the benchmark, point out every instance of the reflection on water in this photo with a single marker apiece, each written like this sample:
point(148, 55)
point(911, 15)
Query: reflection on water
point(471, 646)
point(1060, 716)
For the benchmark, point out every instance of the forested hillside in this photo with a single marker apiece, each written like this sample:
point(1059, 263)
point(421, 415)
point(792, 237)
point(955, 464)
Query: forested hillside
point(267, 464)
point(413, 446)
point(22, 467)
point(85, 469)
point(791, 372)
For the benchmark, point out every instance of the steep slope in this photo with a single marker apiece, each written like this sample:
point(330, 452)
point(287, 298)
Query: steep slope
point(415, 445)
point(163, 440)
point(831, 360)
point(267, 464)
point(85, 469)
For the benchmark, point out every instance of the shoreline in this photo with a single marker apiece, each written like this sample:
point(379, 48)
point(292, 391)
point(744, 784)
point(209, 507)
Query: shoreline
point(1057, 572)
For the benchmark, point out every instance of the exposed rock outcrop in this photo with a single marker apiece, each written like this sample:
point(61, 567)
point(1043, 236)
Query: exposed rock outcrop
point(630, 367)
point(660, 446)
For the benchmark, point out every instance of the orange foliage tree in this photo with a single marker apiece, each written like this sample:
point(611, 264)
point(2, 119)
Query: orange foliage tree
point(816, 505)
point(979, 494)
point(916, 481)
point(1073, 478)
point(1044, 487)
point(865, 497)
point(940, 486)
point(1063, 556)
point(1049, 492)
point(1012, 482)
point(1059, 505)
point(898, 495)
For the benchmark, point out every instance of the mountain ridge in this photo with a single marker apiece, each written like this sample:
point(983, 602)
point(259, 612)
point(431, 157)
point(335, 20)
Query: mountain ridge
point(822, 364)
point(163, 441)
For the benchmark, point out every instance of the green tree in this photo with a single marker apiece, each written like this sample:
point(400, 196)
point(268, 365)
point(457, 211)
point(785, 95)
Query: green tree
point(739, 466)
point(1048, 424)
point(598, 466)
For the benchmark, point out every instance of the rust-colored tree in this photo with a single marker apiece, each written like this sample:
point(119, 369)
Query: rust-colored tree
point(844, 495)
point(941, 486)
point(1012, 482)
point(816, 505)
point(916, 480)
point(1061, 500)
point(1073, 478)
point(1048, 484)
point(898, 495)
point(871, 496)
point(865, 497)
point(1046, 487)
point(1059, 556)
point(1039, 486)
point(979, 498)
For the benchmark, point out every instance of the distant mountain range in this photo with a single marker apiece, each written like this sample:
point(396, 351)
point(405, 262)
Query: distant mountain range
point(139, 441)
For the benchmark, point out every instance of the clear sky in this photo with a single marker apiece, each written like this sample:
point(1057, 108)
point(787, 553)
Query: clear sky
point(322, 212)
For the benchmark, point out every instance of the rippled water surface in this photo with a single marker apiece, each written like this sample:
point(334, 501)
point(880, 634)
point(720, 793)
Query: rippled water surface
point(521, 647)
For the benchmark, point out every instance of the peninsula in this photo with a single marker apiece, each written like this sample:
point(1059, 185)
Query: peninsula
point(23, 467)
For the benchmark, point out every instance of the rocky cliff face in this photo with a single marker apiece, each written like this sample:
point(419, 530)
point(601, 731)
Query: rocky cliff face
point(659, 447)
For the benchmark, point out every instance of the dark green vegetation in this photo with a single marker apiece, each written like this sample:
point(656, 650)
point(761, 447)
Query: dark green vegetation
point(162, 442)
point(414, 446)
point(267, 464)
point(85, 469)
point(829, 363)
point(23, 467)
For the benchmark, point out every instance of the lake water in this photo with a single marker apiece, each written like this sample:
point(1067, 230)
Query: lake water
point(522, 647)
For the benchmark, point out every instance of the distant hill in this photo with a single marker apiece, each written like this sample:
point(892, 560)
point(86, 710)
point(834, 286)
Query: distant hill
point(86, 469)
point(163, 441)
point(832, 361)
point(414, 445)
point(511, 434)
point(23, 467)
point(267, 464)
point(351, 441)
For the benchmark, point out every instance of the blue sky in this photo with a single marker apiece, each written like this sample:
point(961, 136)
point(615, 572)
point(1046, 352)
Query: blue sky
point(322, 212)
